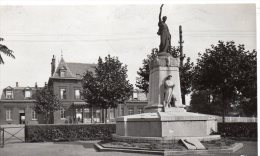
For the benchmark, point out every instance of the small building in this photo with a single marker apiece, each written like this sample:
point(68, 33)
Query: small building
point(135, 105)
point(17, 105)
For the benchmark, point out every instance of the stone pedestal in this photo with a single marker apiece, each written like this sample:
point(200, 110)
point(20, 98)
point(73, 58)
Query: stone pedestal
point(164, 126)
point(161, 67)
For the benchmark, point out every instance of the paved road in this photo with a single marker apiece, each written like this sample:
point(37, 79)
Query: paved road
point(81, 148)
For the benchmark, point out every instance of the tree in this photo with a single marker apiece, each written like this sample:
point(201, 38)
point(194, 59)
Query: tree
point(46, 103)
point(4, 49)
point(224, 70)
point(186, 75)
point(108, 86)
point(142, 81)
point(204, 102)
point(248, 94)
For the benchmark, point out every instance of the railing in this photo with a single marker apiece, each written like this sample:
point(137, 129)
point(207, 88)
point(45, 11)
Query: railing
point(237, 119)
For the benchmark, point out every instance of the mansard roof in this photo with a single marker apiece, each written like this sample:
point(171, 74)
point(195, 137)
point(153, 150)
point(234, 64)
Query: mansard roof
point(19, 92)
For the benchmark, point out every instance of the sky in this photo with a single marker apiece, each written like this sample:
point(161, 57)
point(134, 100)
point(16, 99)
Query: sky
point(82, 33)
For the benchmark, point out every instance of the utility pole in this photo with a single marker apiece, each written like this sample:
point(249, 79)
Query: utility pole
point(181, 59)
point(181, 46)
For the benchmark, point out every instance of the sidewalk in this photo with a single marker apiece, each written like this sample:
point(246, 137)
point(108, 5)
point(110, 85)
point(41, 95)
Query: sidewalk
point(85, 148)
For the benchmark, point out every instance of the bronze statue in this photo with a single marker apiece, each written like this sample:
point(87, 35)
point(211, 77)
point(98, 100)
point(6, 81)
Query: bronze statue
point(164, 33)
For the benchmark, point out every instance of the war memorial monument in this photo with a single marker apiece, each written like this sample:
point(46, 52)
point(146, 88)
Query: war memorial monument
point(163, 123)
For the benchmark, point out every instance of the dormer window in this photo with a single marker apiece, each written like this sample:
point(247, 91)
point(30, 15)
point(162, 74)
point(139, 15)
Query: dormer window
point(27, 93)
point(9, 94)
point(62, 72)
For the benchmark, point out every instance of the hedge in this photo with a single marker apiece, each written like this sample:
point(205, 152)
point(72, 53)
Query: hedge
point(238, 129)
point(40, 133)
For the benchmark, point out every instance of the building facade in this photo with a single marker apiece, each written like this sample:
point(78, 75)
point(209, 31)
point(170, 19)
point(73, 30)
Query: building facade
point(17, 105)
point(65, 81)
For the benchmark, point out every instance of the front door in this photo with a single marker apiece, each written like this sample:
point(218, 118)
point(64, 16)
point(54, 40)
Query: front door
point(22, 118)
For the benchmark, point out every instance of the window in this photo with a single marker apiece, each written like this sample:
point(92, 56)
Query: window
point(122, 111)
point(34, 116)
point(27, 94)
point(87, 113)
point(112, 113)
point(62, 73)
point(97, 114)
point(9, 94)
point(130, 111)
point(62, 113)
point(140, 110)
point(77, 94)
point(135, 96)
point(63, 93)
point(8, 114)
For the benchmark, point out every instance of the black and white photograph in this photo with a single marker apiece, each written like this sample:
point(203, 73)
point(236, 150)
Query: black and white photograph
point(105, 78)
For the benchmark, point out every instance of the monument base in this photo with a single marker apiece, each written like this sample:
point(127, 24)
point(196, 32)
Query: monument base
point(166, 126)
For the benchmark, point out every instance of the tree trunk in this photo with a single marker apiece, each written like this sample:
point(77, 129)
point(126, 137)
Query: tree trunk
point(224, 107)
point(102, 115)
point(105, 115)
point(47, 118)
point(183, 99)
point(92, 114)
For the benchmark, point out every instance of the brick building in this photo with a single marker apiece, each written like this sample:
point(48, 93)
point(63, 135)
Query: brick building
point(16, 105)
point(66, 83)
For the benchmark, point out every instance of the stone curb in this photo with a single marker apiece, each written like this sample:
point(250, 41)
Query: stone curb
point(106, 149)
point(232, 149)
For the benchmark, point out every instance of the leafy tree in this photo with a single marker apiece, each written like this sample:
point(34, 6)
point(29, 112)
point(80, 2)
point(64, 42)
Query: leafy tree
point(46, 103)
point(142, 81)
point(108, 86)
point(248, 90)
point(4, 49)
point(224, 70)
point(204, 102)
point(186, 75)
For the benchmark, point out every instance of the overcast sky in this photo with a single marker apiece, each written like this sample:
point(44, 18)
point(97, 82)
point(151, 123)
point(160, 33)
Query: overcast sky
point(84, 33)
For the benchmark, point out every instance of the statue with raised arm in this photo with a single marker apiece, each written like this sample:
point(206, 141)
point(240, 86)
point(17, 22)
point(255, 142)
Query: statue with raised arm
point(164, 33)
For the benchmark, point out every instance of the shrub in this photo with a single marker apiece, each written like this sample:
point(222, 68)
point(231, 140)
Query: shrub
point(238, 129)
point(39, 133)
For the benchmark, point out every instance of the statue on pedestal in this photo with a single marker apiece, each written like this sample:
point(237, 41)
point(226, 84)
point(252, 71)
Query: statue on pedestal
point(164, 33)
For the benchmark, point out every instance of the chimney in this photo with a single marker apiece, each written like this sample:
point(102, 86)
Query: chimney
point(36, 86)
point(52, 65)
point(17, 85)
